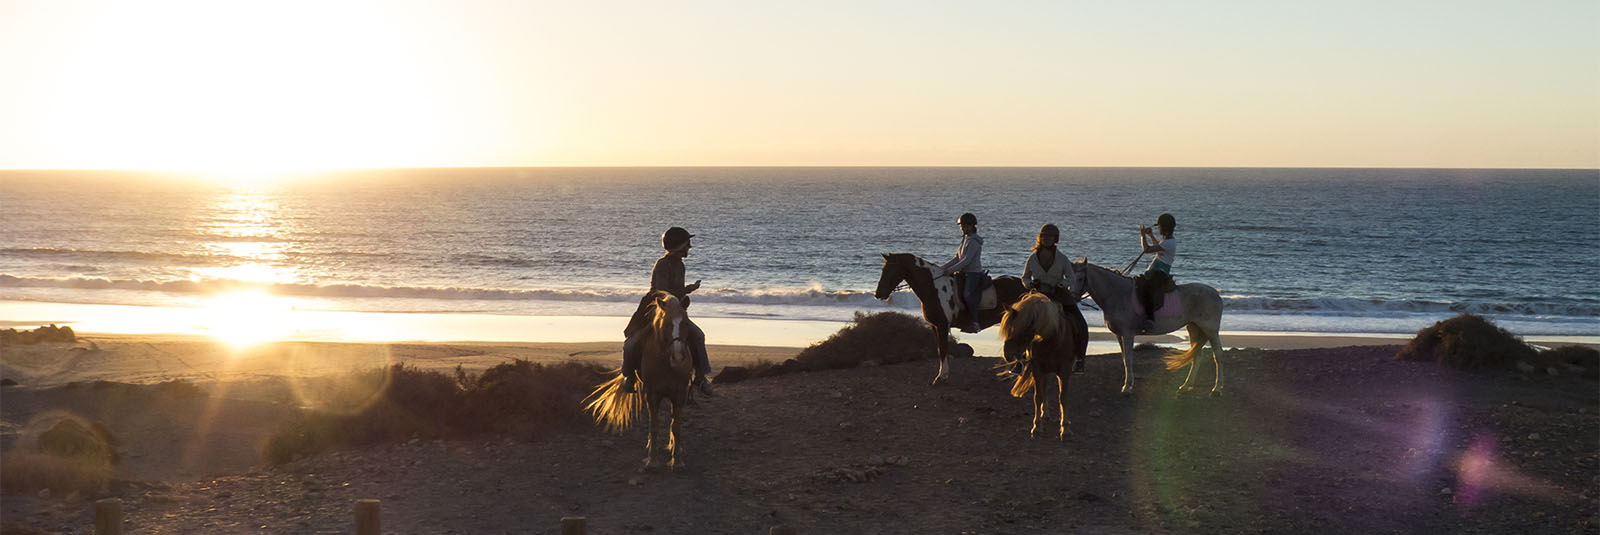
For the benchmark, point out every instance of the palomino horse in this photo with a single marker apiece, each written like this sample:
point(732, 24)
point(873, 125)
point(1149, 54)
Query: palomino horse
point(940, 302)
point(665, 368)
point(1193, 305)
point(1034, 331)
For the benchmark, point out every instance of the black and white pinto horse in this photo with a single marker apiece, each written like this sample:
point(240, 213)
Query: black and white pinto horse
point(941, 303)
point(1195, 306)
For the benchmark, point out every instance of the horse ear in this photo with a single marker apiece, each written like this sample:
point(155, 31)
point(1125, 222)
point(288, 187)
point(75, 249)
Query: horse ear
point(885, 256)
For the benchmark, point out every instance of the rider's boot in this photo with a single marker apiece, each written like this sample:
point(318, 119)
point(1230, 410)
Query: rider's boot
point(704, 384)
point(628, 382)
point(1147, 326)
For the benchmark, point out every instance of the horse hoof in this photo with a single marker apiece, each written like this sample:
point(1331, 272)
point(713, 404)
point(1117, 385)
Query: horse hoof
point(1216, 393)
point(938, 381)
point(1127, 390)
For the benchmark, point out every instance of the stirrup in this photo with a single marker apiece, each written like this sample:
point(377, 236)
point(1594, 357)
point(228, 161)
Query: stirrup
point(628, 384)
point(1147, 326)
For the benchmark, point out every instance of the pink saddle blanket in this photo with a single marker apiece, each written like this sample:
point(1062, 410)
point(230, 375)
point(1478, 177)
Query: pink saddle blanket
point(1171, 307)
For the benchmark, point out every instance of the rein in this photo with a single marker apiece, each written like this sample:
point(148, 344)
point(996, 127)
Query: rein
point(1130, 265)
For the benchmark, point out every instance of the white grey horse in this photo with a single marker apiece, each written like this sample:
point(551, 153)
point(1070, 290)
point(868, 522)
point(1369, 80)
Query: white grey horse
point(1198, 307)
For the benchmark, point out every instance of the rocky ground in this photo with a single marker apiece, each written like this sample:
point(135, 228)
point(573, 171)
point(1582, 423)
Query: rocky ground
point(1302, 441)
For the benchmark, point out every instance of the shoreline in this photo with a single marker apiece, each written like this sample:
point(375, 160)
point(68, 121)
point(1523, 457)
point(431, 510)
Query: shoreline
point(544, 336)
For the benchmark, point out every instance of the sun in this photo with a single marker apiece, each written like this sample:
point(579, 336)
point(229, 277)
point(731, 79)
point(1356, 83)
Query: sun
point(247, 318)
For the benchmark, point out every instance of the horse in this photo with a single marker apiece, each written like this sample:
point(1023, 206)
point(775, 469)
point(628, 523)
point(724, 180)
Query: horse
point(1195, 306)
point(665, 370)
point(940, 301)
point(1034, 331)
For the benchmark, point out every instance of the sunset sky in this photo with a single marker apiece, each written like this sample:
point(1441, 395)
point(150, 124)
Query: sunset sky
point(211, 84)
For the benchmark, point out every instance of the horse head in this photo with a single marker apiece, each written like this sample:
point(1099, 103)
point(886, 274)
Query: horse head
point(668, 325)
point(894, 271)
point(1032, 319)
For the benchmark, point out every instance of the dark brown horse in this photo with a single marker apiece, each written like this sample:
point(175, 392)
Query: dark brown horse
point(1035, 332)
point(940, 301)
point(665, 369)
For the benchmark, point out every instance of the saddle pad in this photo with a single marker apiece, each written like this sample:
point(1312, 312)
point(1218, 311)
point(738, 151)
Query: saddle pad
point(1171, 306)
point(988, 301)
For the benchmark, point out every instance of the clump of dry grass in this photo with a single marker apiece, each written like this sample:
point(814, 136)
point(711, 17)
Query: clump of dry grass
point(882, 338)
point(1469, 342)
point(518, 399)
point(49, 333)
point(69, 455)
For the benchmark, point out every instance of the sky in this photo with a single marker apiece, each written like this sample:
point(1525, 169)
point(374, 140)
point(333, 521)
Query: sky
point(288, 85)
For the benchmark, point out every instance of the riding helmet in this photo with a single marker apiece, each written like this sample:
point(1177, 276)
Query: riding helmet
point(1166, 222)
point(674, 237)
point(967, 219)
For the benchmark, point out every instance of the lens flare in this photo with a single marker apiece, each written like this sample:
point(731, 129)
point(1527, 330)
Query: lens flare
point(243, 319)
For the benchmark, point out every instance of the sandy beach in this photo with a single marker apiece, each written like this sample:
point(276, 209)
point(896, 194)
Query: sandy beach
point(862, 452)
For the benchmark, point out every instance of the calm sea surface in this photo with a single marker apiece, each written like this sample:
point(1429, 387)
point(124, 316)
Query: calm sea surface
point(1320, 250)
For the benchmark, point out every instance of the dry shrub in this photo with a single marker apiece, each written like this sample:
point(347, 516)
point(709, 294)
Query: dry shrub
point(518, 399)
point(1468, 342)
point(882, 338)
point(525, 400)
point(47, 334)
point(70, 455)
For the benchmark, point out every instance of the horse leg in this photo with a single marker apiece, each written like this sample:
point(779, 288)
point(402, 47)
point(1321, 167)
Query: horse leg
point(1061, 399)
point(1216, 349)
point(941, 337)
point(1197, 341)
point(651, 404)
point(1126, 343)
point(672, 433)
point(1038, 402)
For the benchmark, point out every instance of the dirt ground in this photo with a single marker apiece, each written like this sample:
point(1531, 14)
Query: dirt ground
point(1301, 441)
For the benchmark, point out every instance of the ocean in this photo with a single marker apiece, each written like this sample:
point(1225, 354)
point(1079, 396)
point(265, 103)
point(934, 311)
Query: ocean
point(1291, 250)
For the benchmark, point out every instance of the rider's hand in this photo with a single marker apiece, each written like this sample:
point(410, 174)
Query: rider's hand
point(695, 286)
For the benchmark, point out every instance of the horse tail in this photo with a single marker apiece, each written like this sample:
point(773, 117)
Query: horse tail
point(1197, 341)
point(613, 408)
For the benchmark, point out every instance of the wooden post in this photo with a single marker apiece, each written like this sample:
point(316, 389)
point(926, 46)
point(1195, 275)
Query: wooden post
point(108, 516)
point(573, 525)
point(781, 530)
point(367, 517)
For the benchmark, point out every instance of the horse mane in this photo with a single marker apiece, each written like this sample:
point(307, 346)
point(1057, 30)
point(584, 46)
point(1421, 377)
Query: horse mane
point(911, 259)
point(1035, 313)
point(667, 308)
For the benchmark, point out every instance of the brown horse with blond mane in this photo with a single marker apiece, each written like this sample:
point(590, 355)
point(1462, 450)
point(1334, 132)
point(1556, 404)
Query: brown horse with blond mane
point(665, 370)
point(1034, 331)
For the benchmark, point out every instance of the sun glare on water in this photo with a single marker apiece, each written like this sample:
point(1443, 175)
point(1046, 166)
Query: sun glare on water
point(243, 319)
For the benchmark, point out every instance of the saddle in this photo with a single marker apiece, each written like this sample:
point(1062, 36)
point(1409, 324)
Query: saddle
point(1154, 289)
point(986, 283)
point(986, 300)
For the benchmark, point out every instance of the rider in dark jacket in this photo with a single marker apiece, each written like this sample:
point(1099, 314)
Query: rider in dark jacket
point(668, 276)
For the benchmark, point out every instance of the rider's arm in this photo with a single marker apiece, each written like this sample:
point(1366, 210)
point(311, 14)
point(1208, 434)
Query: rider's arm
point(1147, 241)
point(964, 256)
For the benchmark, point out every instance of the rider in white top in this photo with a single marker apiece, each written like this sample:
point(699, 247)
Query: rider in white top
point(1159, 274)
point(1049, 272)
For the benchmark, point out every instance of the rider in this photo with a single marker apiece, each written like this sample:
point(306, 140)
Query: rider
point(1049, 273)
point(1157, 278)
point(667, 275)
point(968, 263)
